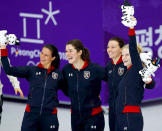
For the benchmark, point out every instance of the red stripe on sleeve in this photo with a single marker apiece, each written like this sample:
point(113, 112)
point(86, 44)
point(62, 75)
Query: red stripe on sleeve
point(131, 32)
point(4, 52)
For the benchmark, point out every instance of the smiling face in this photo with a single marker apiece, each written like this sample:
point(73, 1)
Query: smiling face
point(113, 49)
point(126, 57)
point(46, 57)
point(72, 54)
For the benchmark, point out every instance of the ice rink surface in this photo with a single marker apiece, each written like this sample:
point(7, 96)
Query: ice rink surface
point(13, 114)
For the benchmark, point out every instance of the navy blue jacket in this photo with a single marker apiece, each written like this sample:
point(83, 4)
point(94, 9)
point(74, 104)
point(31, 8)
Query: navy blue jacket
point(115, 73)
point(84, 86)
point(131, 87)
point(43, 86)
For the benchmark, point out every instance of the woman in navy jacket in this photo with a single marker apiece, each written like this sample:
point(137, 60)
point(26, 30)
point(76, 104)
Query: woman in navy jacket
point(115, 71)
point(130, 89)
point(44, 79)
point(83, 79)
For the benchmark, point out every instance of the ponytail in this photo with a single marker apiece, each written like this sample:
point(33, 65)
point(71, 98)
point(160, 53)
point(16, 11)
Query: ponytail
point(56, 62)
point(86, 55)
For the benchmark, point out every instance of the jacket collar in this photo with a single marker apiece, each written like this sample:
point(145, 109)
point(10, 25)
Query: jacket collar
point(119, 61)
point(48, 70)
point(129, 67)
point(83, 67)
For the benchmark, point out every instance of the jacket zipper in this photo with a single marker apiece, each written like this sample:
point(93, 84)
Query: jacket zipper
point(114, 91)
point(125, 91)
point(78, 93)
point(43, 92)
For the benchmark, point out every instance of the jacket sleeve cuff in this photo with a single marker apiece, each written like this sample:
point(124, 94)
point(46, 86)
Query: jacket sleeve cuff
point(150, 81)
point(131, 32)
point(4, 52)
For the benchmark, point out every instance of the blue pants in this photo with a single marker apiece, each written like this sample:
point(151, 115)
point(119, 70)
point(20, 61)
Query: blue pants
point(129, 122)
point(37, 122)
point(112, 119)
point(91, 123)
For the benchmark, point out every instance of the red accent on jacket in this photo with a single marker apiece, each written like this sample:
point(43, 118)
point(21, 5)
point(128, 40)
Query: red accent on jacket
point(119, 61)
point(84, 66)
point(48, 71)
point(27, 108)
point(54, 111)
point(131, 109)
point(96, 111)
point(4, 52)
point(129, 67)
point(131, 32)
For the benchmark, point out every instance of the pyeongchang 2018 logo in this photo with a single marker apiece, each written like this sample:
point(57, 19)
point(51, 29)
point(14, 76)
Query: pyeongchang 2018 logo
point(50, 14)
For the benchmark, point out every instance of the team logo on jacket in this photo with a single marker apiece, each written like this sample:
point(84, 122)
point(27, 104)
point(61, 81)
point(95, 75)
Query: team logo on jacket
point(120, 71)
point(86, 74)
point(54, 75)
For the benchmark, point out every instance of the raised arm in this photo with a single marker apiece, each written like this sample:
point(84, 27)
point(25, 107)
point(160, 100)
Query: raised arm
point(135, 58)
point(22, 72)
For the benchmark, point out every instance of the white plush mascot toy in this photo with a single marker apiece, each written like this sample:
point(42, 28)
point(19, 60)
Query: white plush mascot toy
point(11, 39)
point(128, 12)
point(151, 65)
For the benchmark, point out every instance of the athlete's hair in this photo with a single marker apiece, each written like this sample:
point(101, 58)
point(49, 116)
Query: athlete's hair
point(119, 40)
point(139, 48)
point(56, 62)
point(78, 45)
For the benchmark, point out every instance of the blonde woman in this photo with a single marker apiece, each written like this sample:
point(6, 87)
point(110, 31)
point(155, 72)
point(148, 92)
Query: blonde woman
point(130, 89)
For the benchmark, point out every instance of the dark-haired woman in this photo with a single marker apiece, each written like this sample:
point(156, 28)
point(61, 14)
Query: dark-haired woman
point(115, 71)
point(84, 85)
point(44, 80)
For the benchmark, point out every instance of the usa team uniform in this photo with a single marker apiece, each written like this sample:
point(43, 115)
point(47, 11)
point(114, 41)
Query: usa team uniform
point(115, 73)
point(41, 112)
point(84, 88)
point(130, 92)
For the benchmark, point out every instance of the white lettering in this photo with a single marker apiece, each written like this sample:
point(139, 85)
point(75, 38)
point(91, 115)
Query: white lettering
point(33, 53)
point(32, 63)
point(160, 52)
point(62, 56)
